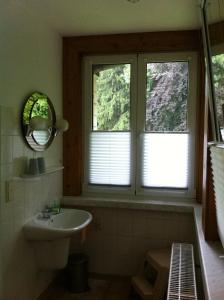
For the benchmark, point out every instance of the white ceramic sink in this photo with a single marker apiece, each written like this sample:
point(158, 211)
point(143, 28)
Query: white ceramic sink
point(51, 237)
point(62, 225)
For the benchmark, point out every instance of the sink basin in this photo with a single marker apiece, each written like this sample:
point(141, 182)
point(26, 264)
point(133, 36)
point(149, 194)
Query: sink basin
point(51, 237)
point(62, 225)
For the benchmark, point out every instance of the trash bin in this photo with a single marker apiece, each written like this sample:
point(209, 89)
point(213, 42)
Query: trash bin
point(77, 273)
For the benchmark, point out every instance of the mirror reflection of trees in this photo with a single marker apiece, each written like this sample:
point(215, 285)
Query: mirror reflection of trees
point(36, 105)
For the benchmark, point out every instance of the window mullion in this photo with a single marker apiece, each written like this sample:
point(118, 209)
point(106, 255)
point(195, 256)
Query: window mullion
point(87, 111)
point(140, 122)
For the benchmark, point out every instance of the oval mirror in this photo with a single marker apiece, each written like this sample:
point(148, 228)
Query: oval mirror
point(38, 121)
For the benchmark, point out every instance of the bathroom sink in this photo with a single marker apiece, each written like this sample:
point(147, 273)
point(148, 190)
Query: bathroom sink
point(59, 226)
point(50, 237)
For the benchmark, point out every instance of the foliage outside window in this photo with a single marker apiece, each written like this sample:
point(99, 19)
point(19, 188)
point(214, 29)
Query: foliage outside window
point(218, 72)
point(166, 96)
point(111, 97)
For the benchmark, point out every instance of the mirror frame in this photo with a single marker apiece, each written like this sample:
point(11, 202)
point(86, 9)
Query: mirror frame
point(29, 139)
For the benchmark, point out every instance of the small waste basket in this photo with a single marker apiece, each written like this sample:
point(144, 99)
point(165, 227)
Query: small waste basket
point(77, 273)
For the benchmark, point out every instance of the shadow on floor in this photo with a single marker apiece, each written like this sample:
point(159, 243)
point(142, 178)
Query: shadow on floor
point(100, 289)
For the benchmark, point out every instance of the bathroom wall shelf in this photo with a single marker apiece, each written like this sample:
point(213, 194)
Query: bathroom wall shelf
point(49, 170)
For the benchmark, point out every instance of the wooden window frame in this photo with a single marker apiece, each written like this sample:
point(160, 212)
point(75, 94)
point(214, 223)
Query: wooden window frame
point(216, 34)
point(137, 103)
point(74, 48)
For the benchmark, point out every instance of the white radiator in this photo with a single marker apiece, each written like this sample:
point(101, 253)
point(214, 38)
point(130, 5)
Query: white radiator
point(217, 155)
point(182, 283)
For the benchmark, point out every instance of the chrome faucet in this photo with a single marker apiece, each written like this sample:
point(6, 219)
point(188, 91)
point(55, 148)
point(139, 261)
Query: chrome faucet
point(46, 212)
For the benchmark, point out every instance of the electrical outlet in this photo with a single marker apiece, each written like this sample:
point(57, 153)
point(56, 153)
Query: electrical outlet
point(9, 191)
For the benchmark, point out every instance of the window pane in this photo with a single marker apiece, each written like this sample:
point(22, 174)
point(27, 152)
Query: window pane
point(166, 96)
point(111, 97)
point(165, 160)
point(110, 158)
point(218, 72)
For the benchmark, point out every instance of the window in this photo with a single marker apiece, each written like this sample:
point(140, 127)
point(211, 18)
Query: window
point(110, 135)
point(218, 79)
point(139, 124)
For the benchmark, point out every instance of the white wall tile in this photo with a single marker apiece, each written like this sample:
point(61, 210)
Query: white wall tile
point(108, 221)
point(140, 225)
point(27, 152)
point(121, 251)
point(123, 245)
point(21, 73)
point(9, 121)
point(124, 222)
point(18, 193)
point(18, 147)
point(6, 149)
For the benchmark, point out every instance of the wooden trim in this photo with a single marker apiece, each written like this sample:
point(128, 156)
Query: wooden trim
point(73, 50)
point(205, 155)
point(209, 209)
point(209, 222)
point(168, 41)
point(200, 126)
point(216, 33)
point(72, 108)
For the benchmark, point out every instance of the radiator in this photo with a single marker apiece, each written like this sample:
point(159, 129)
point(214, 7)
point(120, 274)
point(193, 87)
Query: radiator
point(182, 283)
point(217, 155)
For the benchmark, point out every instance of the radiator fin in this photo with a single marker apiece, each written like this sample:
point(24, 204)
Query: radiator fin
point(182, 283)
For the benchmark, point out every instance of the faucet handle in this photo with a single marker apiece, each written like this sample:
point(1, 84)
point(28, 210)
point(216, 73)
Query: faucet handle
point(46, 212)
point(47, 208)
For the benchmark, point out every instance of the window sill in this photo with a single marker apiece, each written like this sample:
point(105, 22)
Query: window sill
point(212, 265)
point(162, 205)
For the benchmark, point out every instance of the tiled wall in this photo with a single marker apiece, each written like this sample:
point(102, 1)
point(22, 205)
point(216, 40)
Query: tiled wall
point(30, 61)
point(119, 238)
point(20, 278)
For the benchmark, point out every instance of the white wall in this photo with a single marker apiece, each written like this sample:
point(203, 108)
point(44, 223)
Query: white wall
point(118, 239)
point(30, 59)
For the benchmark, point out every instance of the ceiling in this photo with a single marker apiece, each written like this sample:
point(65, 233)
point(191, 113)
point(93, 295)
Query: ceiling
point(87, 17)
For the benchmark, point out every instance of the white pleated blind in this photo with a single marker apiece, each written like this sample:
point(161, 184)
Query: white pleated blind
point(165, 160)
point(110, 158)
point(217, 154)
point(41, 137)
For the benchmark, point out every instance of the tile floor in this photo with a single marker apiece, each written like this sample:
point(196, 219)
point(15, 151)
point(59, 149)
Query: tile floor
point(100, 289)
point(103, 289)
